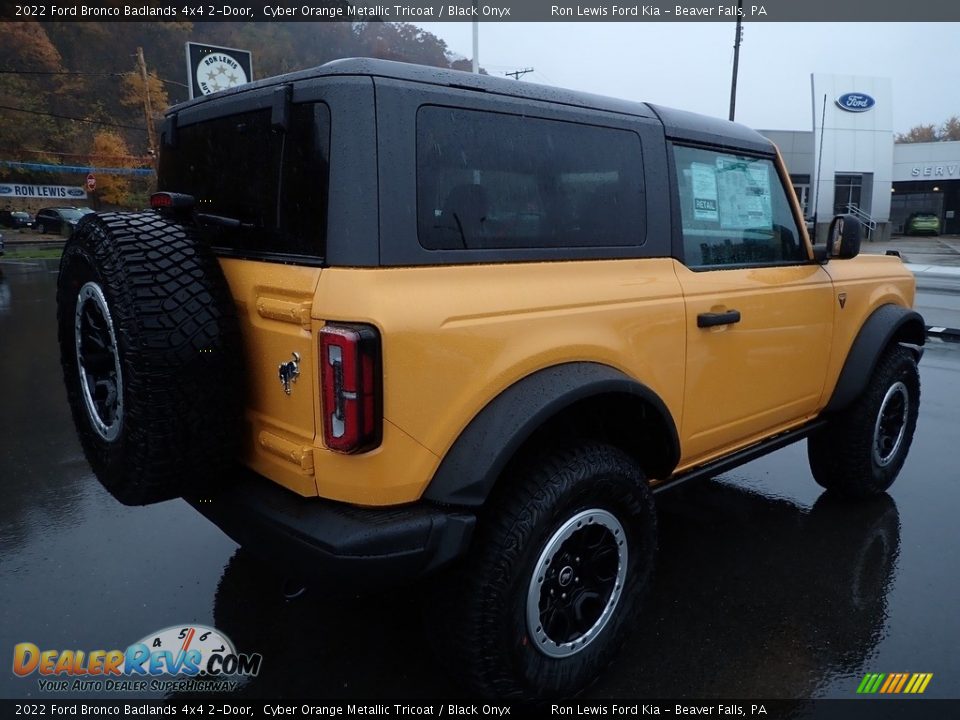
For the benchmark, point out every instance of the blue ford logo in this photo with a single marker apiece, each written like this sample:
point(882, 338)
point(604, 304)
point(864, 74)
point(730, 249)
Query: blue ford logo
point(75, 192)
point(5, 189)
point(855, 102)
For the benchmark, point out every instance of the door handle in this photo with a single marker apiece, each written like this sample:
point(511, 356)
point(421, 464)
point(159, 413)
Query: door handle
point(709, 319)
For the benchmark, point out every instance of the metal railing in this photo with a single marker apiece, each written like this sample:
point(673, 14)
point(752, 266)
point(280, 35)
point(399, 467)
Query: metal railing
point(863, 217)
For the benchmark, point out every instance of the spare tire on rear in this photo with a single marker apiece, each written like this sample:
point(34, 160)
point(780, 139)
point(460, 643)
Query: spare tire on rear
point(151, 354)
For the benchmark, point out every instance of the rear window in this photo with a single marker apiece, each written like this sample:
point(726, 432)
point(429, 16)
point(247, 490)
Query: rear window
point(490, 180)
point(257, 189)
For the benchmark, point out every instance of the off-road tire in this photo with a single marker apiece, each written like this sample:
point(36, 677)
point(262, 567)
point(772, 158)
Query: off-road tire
point(482, 608)
point(842, 454)
point(176, 427)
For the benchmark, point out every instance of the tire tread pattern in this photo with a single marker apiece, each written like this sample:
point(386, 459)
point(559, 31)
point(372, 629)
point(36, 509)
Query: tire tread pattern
point(475, 605)
point(180, 348)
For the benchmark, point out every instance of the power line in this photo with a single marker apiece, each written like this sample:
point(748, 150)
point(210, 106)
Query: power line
point(78, 72)
point(60, 72)
point(76, 119)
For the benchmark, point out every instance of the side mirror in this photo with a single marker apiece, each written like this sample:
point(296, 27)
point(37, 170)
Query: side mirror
point(844, 235)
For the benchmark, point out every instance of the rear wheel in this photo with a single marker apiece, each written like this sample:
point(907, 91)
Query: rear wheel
point(150, 351)
point(862, 449)
point(557, 571)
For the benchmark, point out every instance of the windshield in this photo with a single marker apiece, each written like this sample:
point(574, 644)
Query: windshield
point(73, 213)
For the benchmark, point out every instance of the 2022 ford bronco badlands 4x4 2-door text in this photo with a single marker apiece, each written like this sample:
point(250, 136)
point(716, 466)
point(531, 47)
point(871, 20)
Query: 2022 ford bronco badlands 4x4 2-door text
point(457, 324)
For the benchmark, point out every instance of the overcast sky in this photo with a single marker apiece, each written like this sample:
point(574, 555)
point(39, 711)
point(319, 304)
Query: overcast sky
point(688, 65)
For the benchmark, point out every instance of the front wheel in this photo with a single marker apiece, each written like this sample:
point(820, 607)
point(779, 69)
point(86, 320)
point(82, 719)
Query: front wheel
point(556, 574)
point(861, 450)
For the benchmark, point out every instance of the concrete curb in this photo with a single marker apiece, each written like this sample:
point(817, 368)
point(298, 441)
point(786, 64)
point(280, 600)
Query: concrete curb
point(944, 333)
point(944, 271)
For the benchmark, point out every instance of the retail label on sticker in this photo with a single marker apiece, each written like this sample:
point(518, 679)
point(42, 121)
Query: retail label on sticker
point(704, 187)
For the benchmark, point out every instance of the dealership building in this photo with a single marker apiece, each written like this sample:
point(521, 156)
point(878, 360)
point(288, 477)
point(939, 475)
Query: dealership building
point(849, 162)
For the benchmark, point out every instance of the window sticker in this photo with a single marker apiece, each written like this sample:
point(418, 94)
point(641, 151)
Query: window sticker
point(744, 194)
point(704, 186)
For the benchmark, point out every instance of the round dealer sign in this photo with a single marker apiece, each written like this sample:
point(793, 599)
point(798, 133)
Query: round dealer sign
point(219, 71)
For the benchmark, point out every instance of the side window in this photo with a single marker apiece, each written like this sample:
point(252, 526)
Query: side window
point(261, 190)
point(734, 211)
point(490, 180)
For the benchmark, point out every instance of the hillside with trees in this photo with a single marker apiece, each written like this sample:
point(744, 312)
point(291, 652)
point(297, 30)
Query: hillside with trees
point(69, 93)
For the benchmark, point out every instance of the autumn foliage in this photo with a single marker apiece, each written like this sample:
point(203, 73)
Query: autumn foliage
point(77, 96)
point(110, 150)
point(949, 130)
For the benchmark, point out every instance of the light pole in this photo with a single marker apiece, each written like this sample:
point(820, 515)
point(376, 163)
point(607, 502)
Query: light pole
point(736, 63)
point(476, 41)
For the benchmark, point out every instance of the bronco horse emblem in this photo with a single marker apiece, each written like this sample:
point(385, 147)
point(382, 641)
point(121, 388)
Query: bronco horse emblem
point(289, 372)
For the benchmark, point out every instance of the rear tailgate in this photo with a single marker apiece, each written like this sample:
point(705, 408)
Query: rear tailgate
point(273, 305)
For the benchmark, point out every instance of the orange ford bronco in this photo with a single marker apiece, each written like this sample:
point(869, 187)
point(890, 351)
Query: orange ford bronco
point(448, 322)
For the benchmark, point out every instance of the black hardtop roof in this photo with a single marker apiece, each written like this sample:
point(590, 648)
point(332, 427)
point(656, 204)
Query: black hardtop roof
point(678, 124)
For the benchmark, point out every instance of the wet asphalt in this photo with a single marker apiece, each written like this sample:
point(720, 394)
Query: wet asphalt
point(764, 586)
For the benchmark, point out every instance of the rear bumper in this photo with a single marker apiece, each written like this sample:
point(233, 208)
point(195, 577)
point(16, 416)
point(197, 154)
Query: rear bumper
point(322, 541)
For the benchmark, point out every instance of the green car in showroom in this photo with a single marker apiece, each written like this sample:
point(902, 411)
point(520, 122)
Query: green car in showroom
point(922, 223)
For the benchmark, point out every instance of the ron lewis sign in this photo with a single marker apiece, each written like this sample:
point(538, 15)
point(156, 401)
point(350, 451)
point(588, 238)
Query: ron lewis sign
point(211, 69)
point(53, 192)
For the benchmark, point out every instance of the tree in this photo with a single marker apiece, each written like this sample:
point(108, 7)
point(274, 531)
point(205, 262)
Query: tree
point(132, 92)
point(918, 134)
point(950, 130)
point(110, 150)
point(31, 129)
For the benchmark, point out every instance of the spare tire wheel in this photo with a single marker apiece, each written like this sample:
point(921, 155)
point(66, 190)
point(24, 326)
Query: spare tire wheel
point(151, 354)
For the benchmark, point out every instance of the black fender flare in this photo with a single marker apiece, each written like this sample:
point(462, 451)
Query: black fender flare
point(470, 468)
point(885, 324)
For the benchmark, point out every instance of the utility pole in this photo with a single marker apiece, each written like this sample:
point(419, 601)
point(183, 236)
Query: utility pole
point(517, 74)
point(736, 61)
point(147, 110)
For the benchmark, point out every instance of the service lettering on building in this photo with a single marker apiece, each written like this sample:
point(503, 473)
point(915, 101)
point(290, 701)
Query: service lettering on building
point(936, 171)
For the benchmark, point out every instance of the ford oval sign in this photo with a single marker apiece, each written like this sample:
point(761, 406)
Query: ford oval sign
point(855, 102)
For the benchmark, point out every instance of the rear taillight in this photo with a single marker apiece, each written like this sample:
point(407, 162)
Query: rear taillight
point(171, 201)
point(351, 381)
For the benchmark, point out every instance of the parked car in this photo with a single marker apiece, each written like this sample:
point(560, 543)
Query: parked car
point(59, 219)
point(1, 243)
point(455, 323)
point(922, 223)
point(15, 219)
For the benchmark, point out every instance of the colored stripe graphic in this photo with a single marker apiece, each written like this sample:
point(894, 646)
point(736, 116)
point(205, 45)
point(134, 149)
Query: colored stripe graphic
point(894, 683)
point(891, 680)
